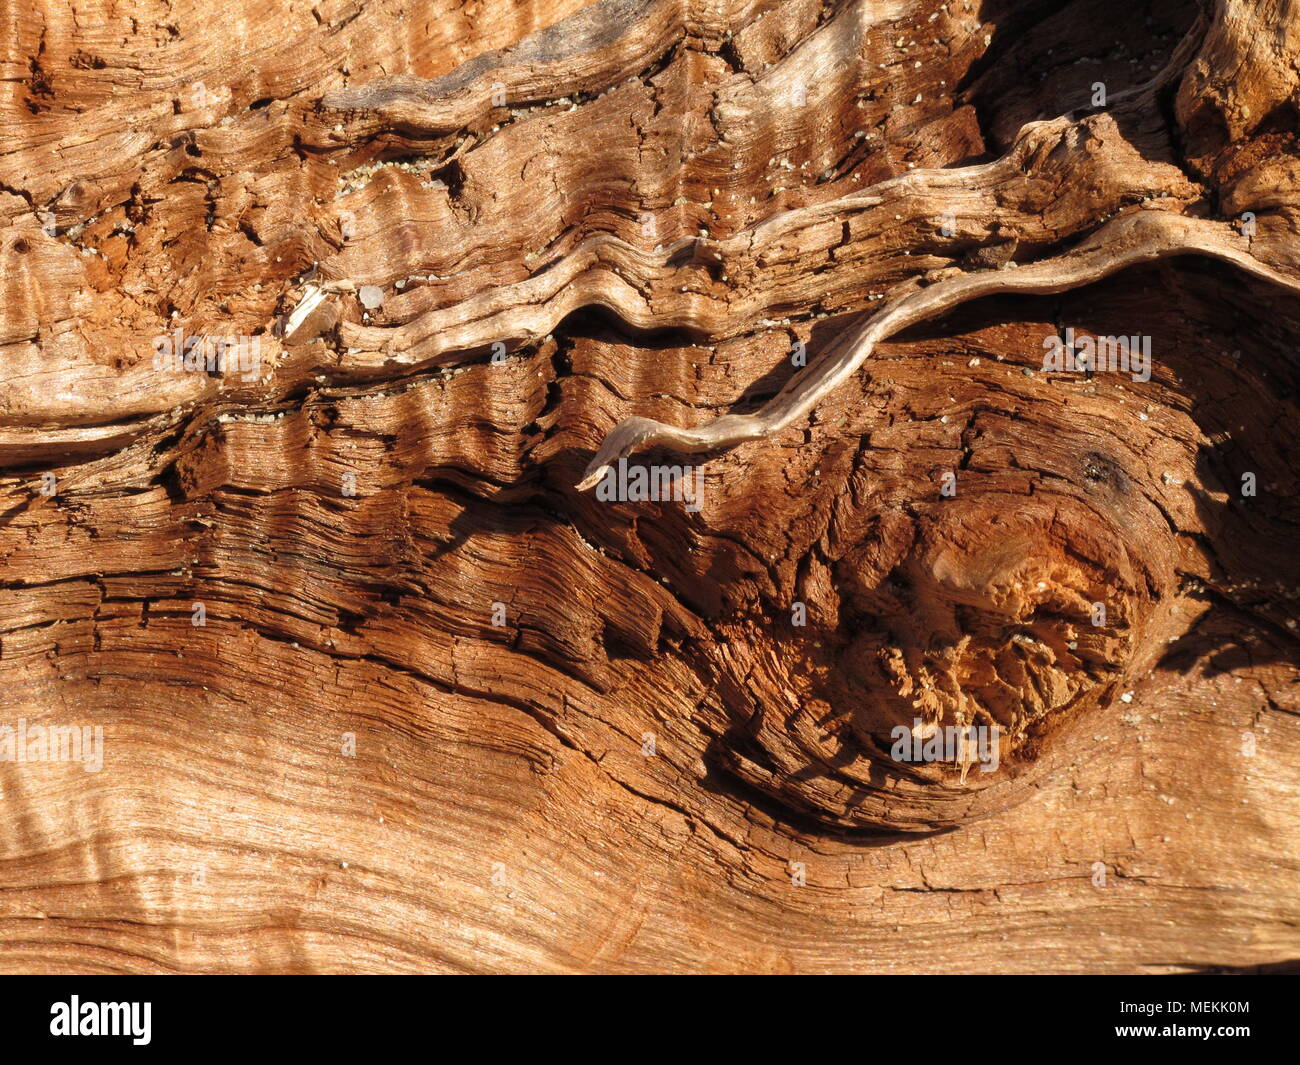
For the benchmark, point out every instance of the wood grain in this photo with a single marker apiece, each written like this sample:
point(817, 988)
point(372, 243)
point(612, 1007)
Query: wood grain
point(380, 689)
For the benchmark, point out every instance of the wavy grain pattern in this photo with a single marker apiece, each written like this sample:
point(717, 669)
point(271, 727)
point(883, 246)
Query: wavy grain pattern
point(384, 679)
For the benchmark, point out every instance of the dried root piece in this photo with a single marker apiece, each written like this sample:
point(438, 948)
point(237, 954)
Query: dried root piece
point(1135, 238)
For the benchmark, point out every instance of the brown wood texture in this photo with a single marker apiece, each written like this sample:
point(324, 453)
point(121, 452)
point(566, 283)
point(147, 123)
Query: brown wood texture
point(381, 684)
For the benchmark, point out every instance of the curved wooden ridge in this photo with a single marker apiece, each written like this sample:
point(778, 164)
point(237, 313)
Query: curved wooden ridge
point(518, 486)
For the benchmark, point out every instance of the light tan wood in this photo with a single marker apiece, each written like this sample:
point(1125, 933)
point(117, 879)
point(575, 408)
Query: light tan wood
point(382, 689)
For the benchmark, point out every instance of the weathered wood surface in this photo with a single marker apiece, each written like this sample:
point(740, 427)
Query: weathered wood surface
point(381, 689)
